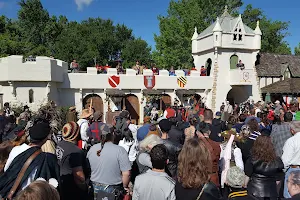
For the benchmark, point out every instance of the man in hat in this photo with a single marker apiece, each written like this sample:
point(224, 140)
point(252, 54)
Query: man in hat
point(72, 164)
point(94, 132)
point(44, 165)
point(144, 130)
point(291, 154)
point(83, 124)
point(217, 125)
point(71, 114)
point(236, 180)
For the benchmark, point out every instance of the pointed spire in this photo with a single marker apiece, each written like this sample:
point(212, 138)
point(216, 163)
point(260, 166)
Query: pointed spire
point(195, 36)
point(257, 30)
point(226, 13)
point(217, 27)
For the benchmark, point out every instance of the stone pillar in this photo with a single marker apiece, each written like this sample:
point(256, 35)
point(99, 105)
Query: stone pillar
point(142, 101)
point(48, 90)
point(106, 101)
point(79, 102)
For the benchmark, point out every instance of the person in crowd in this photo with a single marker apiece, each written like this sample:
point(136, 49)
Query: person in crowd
point(155, 70)
point(194, 164)
point(175, 134)
point(144, 130)
point(110, 166)
point(264, 169)
point(5, 149)
point(155, 183)
point(71, 114)
point(231, 122)
point(74, 66)
point(222, 107)
point(172, 71)
point(277, 107)
point(191, 130)
point(293, 185)
point(133, 128)
point(2, 123)
point(10, 125)
point(247, 145)
point(143, 158)
point(39, 190)
point(265, 123)
point(94, 131)
point(203, 71)
point(129, 144)
point(216, 124)
point(83, 124)
point(137, 67)
point(153, 130)
point(72, 162)
point(214, 150)
point(281, 132)
point(240, 122)
point(252, 116)
point(236, 181)
point(291, 154)
point(173, 148)
point(228, 110)
point(7, 110)
point(24, 116)
point(44, 165)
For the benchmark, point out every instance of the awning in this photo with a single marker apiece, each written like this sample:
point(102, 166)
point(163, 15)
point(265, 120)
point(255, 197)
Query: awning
point(115, 92)
point(286, 86)
point(189, 92)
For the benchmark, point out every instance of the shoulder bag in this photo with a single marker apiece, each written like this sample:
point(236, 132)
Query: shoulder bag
point(21, 174)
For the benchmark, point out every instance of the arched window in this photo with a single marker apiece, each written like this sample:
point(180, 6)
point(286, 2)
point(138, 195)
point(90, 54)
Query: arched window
point(287, 73)
point(238, 34)
point(208, 66)
point(31, 98)
point(234, 59)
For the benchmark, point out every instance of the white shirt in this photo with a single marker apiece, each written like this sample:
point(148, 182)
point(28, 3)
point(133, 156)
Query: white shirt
point(84, 127)
point(131, 148)
point(133, 128)
point(291, 151)
point(12, 155)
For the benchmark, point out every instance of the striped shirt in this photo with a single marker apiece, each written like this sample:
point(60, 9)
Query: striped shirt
point(254, 135)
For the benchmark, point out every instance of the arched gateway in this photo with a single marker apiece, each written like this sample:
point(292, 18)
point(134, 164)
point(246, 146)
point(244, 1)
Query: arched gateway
point(96, 100)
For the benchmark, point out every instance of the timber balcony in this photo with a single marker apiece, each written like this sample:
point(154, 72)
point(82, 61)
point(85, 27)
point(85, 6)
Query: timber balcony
point(241, 77)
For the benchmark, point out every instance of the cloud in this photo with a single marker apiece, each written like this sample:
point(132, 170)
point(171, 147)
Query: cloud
point(81, 3)
point(2, 4)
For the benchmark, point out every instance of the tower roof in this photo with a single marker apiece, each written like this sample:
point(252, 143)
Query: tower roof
point(227, 23)
point(217, 27)
point(195, 36)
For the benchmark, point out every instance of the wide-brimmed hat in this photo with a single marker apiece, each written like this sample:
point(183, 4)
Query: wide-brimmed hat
point(70, 131)
point(235, 177)
point(72, 108)
point(86, 113)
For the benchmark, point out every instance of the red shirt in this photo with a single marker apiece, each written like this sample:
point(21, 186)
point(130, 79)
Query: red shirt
point(170, 113)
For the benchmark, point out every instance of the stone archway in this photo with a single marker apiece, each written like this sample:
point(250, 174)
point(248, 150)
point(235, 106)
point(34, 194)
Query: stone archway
point(239, 94)
point(96, 100)
point(131, 103)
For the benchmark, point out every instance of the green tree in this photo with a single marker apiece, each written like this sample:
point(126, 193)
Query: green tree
point(173, 44)
point(297, 50)
point(134, 50)
point(274, 32)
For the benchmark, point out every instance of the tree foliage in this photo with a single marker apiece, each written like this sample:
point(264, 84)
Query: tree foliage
point(37, 33)
point(297, 50)
point(173, 44)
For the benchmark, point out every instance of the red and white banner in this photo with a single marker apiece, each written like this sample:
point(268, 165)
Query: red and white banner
point(149, 82)
point(114, 81)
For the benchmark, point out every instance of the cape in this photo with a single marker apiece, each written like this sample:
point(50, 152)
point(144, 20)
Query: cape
point(45, 163)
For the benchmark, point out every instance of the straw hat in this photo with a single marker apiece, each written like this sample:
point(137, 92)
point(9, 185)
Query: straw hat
point(86, 113)
point(72, 108)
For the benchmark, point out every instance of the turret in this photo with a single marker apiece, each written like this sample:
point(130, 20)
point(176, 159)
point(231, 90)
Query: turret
point(217, 32)
point(257, 37)
point(194, 41)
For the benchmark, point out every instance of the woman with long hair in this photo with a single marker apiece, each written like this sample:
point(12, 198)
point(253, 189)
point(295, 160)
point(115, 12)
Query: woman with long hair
point(193, 178)
point(263, 168)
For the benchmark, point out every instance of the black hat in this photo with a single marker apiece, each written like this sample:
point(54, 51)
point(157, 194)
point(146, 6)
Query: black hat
point(39, 131)
point(165, 125)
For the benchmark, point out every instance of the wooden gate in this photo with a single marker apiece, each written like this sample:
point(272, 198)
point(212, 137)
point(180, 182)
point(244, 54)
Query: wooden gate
point(132, 105)
point(97, 102)
point(165, 102)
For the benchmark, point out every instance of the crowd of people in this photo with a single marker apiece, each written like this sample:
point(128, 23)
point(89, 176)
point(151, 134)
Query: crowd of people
point(247, 151)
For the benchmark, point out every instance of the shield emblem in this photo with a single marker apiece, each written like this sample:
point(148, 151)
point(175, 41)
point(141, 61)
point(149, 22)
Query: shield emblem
point(114, 81)
point(182, 80)
point(149, 82)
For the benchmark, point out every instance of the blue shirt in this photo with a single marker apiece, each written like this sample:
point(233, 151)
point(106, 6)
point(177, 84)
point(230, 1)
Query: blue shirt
point(142, 132)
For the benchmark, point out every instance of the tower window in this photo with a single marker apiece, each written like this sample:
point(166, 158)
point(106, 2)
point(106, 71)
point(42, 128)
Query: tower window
point(238, 35)
point(216, 37)
point(31, 98)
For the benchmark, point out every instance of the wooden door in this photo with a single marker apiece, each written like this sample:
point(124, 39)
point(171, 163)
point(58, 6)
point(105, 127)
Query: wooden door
point(133, 107)
point(97, 103)
point(166, 101)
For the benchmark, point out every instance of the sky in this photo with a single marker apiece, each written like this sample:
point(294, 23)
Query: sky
point(141, 15)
